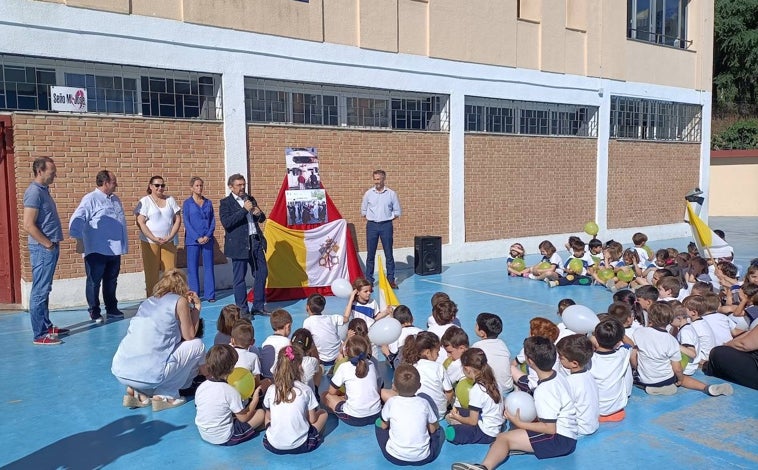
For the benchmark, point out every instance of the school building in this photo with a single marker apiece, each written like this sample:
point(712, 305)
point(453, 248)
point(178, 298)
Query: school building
point(496, 120)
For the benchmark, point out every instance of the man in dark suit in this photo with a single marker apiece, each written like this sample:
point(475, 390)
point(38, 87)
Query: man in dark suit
point(244, 243)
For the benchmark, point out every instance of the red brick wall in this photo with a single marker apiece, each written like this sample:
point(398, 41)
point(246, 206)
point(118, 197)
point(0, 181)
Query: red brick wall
point(647, 181)
point(526, 186)
point(134, 149)
point(416, 164)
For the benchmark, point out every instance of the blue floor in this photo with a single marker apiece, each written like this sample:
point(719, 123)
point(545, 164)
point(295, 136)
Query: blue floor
point(60, 407)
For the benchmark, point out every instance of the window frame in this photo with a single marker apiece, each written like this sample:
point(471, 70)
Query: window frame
point(658, 15)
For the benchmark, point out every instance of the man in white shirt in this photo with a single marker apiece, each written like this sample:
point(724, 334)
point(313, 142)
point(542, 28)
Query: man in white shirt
point(99, 227)
point(380, 207)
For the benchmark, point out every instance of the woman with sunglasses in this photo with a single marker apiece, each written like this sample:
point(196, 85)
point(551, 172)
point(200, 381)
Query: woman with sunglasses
point(158, 220)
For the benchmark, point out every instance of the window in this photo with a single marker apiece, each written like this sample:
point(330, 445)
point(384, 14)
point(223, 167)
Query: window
point(193, 96)
point(530, 118)
point(658, 21)
point(25, 88)
point(268, 101)
point(106, 94)
point(642, 119)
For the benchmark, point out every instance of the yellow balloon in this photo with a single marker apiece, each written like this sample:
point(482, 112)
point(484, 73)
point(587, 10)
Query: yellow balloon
point(544, 265)
point(243, 381)
point(591, 228)
point(462, 389)
point(625, 274)
point(606, 274)
point(576, 266)
point(447, 362)
point(518, 264)
point(338, 363)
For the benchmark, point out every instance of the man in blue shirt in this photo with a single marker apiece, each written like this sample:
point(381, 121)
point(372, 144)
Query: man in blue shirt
point(380, 207)
point(42, 224)
point(99, 226)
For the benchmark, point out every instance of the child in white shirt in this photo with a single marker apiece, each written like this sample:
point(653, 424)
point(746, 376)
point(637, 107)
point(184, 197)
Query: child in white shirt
point(488, 327)
point(392, 351)
point(221, 419)
point(575, 353)
point(444, 314)
point(611, 370)
point(242, 340)
point(324, 328)
point(281, 323)
point(408, 432)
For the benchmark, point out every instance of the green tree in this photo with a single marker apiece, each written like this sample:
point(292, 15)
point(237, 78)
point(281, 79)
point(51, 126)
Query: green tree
point(735, 53)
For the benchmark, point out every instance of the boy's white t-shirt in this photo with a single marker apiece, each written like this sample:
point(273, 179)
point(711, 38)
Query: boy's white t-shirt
point(404, 333)
point(687, 336)
point(532, 374)
point(248, 360)
point(408, 418)
point(706, 337)
point(644, 257)
point(362, 393)
point(613, 376)
point(434, 382)
point(324, 329)
point(216, 402)
point(270, 352)
point(499, 359)
point(440, 330)
point(310, 365)
point(656, 350)
point(490, 413)
point(553, 402)
point(586, 397)
point(454, 371)
point(721, 327)
point(289, 421)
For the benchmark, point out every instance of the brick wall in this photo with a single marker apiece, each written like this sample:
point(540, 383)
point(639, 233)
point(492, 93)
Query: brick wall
point(134, 149)
point(526, 186)
point(416, 164)
point(647, 181)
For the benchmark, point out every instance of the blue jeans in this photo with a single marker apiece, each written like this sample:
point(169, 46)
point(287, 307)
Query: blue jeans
point(193, 263)
point(43, 262)
point(376, 231)
point(259, 269)
point(102, 269)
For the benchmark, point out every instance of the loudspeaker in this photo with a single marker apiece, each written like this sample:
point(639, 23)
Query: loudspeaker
point(428, 255)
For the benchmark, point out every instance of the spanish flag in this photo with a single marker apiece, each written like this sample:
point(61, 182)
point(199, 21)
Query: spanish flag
point(708, 243)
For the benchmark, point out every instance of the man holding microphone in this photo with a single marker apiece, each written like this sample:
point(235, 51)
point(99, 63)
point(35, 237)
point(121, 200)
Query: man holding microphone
point(244, 244)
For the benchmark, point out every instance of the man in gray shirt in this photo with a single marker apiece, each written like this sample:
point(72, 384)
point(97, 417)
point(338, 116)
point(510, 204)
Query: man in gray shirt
point(42, 224)
point(99, 224)
point(380, 207)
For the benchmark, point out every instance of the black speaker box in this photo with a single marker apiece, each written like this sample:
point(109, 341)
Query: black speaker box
point(428, 255)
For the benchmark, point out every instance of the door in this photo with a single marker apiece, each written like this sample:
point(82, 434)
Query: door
point(10, 261)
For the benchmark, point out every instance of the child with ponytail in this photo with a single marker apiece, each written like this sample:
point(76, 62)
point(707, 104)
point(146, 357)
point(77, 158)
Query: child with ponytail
point(293, 419)
point(481, 421)
point(422, 351)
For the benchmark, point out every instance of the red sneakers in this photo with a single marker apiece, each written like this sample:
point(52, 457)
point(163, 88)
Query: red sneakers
point(54, 330)
point(47, 340)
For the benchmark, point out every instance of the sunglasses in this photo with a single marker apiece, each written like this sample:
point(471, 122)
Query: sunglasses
point(162, 185)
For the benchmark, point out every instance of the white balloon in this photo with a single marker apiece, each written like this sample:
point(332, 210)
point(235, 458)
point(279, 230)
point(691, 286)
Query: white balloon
point(342, 288)
point(524, 403)
point(580, 319)
point(385, 331)
point(342, 331)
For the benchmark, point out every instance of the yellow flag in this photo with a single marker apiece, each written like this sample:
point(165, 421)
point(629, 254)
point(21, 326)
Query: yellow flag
point(700, 229)
point(386, 294)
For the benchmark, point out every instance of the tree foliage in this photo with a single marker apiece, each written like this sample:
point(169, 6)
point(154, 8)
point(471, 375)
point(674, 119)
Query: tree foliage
point(741, 135)
point(735, 52)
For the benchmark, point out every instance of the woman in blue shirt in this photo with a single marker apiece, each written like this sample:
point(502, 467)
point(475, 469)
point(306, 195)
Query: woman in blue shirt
point(199, 223)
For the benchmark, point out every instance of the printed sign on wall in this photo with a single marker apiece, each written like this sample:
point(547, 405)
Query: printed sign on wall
point(69, 99)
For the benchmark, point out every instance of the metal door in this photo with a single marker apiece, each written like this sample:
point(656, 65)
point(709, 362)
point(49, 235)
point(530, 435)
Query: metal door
point(10, 261)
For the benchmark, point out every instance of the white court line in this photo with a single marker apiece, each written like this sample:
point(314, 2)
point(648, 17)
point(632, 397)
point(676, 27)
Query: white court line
point(487, 293)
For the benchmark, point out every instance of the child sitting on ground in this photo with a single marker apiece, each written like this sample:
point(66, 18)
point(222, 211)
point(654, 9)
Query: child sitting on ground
point(516, 252)
point(221, 419)
point(226, 320)
point(242, 339)
point(696, 309)
point(455, 342)
point(361, 305)
point(444, 313)
point(575, 272)
point(311, 366)
point(293, 419)
point(643, 251)
point(668, 288)
point(555, 431)
point(324, 328)
point(548, 266)
point(611, 370)
point(646, 297)
point(481, 420)
point(575, 353)
point(657, 358)
point(563, 304)
point(719, 323)
point(408, 432)
point(526, 379)
point(488, 327)
point(438, 297)
point(281, 323)
point(392, 351)
point(360, 404)
point(622, 312)
point(689, 343)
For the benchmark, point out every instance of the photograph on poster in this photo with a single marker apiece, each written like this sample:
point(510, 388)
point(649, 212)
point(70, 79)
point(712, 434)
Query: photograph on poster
point(306, 207)
point(302, 168)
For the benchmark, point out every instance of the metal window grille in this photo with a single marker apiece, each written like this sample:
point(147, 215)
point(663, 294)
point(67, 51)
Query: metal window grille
point(530, 118)
point(192, 96)
point(644, 119)
point(25, 88)
point(106, 94)
point(268, 101)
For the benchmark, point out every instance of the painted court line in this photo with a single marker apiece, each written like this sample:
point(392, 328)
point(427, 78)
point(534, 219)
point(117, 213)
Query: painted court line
point(487, 293)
